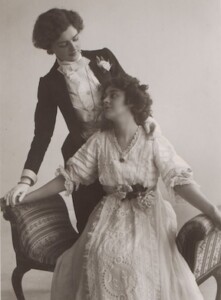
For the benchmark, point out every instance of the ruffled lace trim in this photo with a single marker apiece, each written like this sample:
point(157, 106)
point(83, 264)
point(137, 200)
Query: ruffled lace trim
point(176, 177)
point(70, 183)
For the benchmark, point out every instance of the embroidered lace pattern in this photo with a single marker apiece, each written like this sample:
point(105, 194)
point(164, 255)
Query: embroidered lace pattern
point(122, 255)
point(124, 152)
point(114, 264)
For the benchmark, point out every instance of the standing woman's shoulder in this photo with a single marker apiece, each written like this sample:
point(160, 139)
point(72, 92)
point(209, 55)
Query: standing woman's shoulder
point(106, 61)
point(104, 52)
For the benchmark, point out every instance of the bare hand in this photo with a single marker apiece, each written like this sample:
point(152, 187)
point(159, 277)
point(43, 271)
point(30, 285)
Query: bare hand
point(16, 194)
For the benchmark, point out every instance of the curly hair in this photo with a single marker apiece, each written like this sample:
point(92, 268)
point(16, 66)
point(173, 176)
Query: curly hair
point(50, 25)
point(136, 97)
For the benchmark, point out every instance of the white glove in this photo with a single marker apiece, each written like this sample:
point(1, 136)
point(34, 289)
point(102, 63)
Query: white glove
point(151, 126)
point(16, 194)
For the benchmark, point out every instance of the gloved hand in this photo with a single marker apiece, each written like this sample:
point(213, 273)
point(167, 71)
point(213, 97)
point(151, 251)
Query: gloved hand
point(151, 126)
point(17, 194)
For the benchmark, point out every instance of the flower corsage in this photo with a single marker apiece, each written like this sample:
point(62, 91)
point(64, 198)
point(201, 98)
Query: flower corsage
point(103, 64)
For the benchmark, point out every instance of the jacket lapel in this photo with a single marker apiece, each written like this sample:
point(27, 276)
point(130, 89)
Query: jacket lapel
point(100, 74)
point(60, 90)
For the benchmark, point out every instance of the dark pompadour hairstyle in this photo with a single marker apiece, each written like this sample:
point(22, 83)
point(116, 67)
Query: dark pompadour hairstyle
point(50, 25)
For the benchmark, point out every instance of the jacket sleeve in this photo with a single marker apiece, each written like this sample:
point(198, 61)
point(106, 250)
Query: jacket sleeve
point(116, 69)
point(45, 118)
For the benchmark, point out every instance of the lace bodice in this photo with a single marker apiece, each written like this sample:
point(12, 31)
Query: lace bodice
point(147, 159)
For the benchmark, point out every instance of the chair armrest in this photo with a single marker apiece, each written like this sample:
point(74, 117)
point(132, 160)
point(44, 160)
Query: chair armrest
point(41, 230)
point(198, 227)
point(191, 233)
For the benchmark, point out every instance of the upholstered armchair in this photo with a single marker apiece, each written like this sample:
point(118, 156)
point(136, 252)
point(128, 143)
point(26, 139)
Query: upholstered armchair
point(42, 231)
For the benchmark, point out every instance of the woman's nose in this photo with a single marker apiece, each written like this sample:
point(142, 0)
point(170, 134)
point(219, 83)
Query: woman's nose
point(106, 100)
point(72, 45)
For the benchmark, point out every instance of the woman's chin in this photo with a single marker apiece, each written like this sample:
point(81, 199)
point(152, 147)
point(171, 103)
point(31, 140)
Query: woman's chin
point(73, 56)
point(108, 116)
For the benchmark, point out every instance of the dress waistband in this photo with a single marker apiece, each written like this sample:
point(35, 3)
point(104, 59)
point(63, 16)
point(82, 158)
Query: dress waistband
point(144, 196)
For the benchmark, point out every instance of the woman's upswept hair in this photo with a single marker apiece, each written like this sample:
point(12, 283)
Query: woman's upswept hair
point(136, 97)
point(50, 25)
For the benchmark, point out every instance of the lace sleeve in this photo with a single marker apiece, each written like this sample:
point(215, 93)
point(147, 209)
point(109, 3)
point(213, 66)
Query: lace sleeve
point(173, 169)
point(82, 167)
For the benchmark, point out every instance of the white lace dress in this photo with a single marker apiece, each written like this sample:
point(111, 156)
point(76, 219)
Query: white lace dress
point(127, 250)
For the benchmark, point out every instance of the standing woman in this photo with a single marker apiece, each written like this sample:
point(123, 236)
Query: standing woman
point(128, 248)
point(72, 85)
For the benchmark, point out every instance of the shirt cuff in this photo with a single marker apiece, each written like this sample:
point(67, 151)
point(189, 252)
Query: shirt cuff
point(30, 174)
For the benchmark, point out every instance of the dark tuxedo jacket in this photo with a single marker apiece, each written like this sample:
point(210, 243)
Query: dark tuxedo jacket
point(53, 94)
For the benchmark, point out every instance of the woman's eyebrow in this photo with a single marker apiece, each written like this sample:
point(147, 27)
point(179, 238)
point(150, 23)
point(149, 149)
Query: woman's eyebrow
point(114, 90)
point(59, 42)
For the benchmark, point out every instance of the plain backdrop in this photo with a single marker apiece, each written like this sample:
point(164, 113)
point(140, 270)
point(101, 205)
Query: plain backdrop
point(172, 45)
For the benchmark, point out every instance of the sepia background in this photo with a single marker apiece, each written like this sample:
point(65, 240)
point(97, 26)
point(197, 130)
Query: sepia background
point(172, 45)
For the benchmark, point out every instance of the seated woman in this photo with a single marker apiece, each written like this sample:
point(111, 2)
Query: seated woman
point(127, 249)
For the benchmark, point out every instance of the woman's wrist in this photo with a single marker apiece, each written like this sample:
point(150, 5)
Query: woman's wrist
point(21, 182)
point(26, 173)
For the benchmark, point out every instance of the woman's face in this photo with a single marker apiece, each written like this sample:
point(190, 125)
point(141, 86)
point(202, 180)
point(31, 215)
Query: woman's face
point(67, 46)
point(114, 104)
